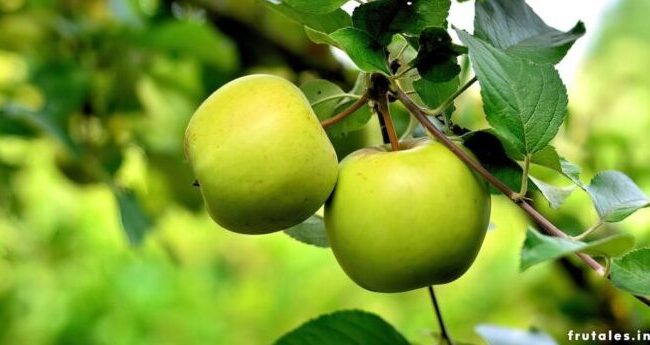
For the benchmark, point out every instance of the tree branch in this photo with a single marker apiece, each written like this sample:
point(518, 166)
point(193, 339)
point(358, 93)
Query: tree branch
point(346, 112)
point(538, 218)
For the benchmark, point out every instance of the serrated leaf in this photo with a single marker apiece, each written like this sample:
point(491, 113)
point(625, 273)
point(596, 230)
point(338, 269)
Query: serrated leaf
point(615, 196)
point(382, 19)
point(436, 60)
point(318, 89)
point(538, 247)
point(513, 26)
point(555, 195)
point(496, 335)
point(632, 272)
point(134, 219)
point(571, 171)
point(524, 102)
point(364, 52)
point(350, 327)
point(316, 6)
point(434, 94)
point(490, 152)
point(311, 231)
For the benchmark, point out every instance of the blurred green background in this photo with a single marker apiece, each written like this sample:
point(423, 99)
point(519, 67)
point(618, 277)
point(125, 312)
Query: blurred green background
point(94, 99)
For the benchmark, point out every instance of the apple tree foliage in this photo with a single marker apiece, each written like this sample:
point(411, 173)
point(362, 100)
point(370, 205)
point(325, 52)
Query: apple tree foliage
point(87, 102)
point(513, 54)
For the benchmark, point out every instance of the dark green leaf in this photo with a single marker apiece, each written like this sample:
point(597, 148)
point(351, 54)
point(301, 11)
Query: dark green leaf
point(615, 196)
point(436, 60)
point(539, 247)
point(513, 26)
point(135, 220)
point(350, 327)
point(495, 335)
point(316, 6)
point(434, 94)
point(311, 231)
point(382, 19)
point(318, 89)
point(524, 102)
point(366, 54)
point(490, 152)
point(632, 272)
point(554, 194)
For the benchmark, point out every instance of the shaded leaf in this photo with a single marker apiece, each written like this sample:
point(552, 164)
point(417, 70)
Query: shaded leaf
point(318, 89)
point(322, 23)
point(434, 94)
point(632, 272)
point(524, 102)
point(611, 246)
point(364, 52)
point(615, 196)
point(311, 231)
point(513, 26)
point(135, 221)
point(350, 327)
point(496, 335)
point(436, 60)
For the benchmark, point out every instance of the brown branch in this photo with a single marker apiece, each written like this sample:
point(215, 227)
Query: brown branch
point(346, 112)
point(384, 112)
point(538, 218)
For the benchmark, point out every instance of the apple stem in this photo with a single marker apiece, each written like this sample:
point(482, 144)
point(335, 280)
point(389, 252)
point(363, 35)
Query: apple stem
point(386, 121)
point(346, 112)
point(544, 224)
point(441, 323)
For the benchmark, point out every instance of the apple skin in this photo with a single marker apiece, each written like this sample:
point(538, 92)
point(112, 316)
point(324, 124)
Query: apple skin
point(260, 155)
point(402, 220)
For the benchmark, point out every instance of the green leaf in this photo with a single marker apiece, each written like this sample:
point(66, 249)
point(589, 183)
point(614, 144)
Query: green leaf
point(571, 171)
point(632, 272)
point(194, 39)
point(539, 247)
point(513, 26)
point(555, 195)
point(436, 60)
point(434, 94)
point(363, 51)
point(316, 6)
point(524, 102)
point(495, 335)
point(311, 231)
point(611, 246)
point(318, 89)
point(353, 122)
point(350, 327)
point(135, 220)
point(382, 19)
point(325, 23)
point(615, 196)
point(490, 152)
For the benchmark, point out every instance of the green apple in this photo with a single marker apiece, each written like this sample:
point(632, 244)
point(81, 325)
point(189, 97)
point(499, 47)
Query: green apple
point(260, 155)
point(401, 220)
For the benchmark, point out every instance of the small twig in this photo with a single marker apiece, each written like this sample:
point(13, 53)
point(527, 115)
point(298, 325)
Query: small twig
point(524, 179)
point(329, 98)
point(441, 323)
point(589, 230)
point(346, 112)
point(440, 109)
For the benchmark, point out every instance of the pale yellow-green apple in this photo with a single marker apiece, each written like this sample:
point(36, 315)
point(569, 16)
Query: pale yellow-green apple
point(262, 160)
point(402, 220)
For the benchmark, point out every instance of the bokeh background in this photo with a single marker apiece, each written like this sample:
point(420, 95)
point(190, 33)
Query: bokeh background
point(94, 99)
